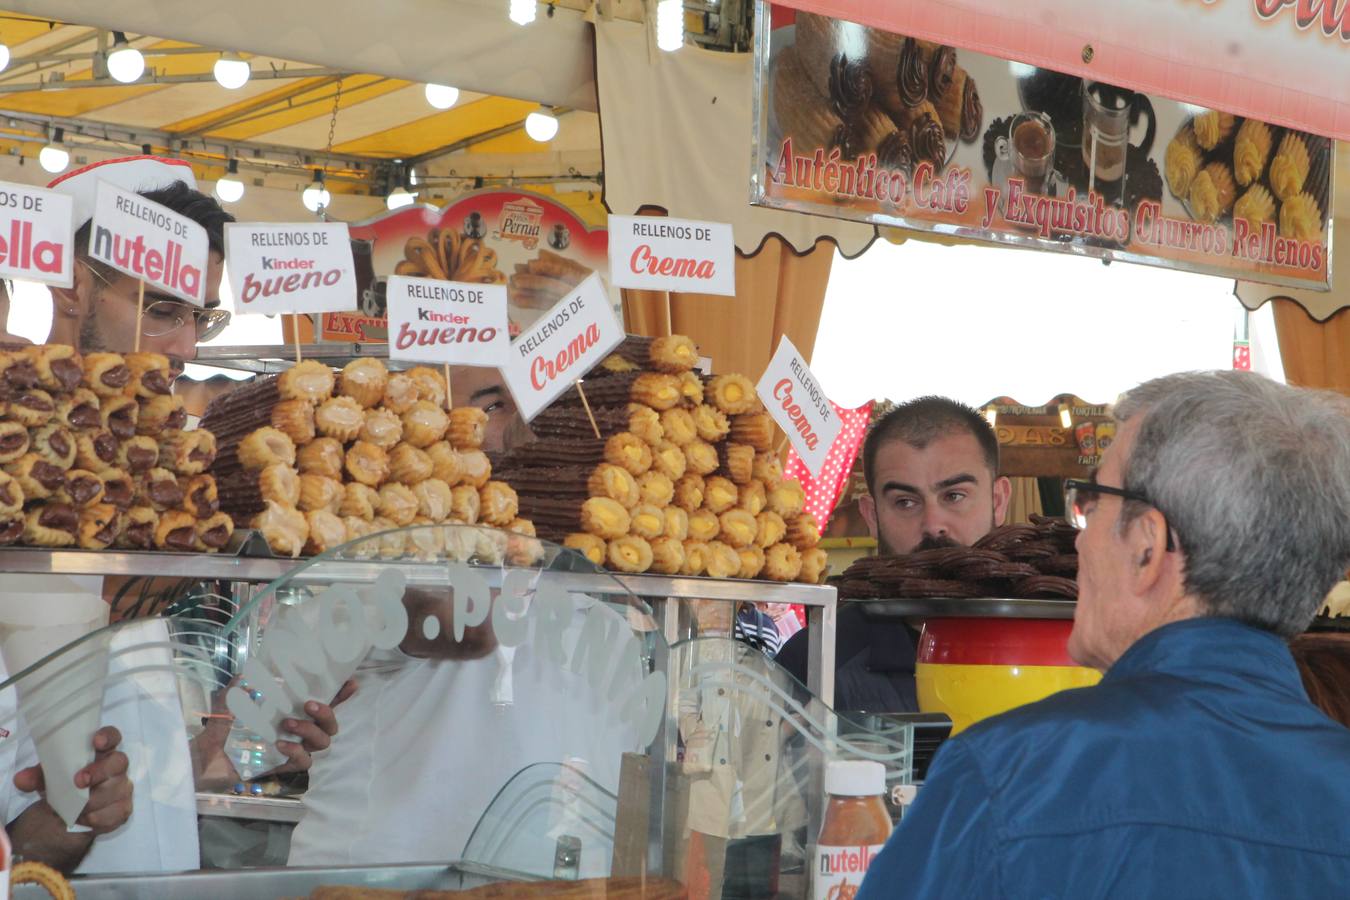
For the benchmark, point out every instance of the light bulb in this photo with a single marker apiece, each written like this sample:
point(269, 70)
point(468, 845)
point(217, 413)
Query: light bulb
point(1065, 415)
point(541, 126)
point(399, 198)
point(442, 96)
point(522, 11)
point(231, 72)
point(4, 57)
point(125, 63)
point(54, 158)
point(229, 190)
point(412, 176)
point(991, 415)
point(316, 196)
point(670, 24)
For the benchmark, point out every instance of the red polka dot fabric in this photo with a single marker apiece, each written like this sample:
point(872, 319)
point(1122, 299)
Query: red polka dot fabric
point(823, 493)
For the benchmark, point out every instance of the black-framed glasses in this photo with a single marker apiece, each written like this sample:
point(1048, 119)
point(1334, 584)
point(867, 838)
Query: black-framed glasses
point(164, 316)
point(1076, 492)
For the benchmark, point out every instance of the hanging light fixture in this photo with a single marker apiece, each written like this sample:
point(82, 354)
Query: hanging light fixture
point(316, 196)
point(232, 72)
point(541, 125)
point(442, 96)
point(1065, 415)
point(55, 157)
point(670, 24)
point(522, 11)
point(399, 197)
point(230, 189)
point(4, 56)
point(125, 62)
point(991, 415)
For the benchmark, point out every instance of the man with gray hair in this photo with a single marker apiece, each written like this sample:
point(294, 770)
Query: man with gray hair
point(1215, 527)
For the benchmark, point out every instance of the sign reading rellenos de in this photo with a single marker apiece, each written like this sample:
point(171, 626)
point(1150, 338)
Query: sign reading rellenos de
point(35, 234)
point(861, 123)
point(290, 268)
point(149, 242)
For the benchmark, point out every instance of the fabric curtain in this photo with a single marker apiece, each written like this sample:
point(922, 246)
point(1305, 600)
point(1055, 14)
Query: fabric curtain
point(1316, 354)
point(1026, 500)
point(778, 291)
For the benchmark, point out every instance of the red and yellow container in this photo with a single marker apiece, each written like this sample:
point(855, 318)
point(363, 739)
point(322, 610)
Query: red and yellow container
point(972, 669)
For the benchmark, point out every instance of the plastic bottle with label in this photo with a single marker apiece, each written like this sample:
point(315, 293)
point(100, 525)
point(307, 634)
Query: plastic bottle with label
point(854, 830)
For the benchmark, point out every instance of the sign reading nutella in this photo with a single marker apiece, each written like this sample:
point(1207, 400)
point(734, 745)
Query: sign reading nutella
point(659, 254)
point(35, 234)
point(799, 405)
point(562, 346)
point(149, 242)
point(447, 321)
point(299, 268)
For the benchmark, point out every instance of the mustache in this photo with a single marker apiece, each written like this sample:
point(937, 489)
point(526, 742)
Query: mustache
point(936, 542)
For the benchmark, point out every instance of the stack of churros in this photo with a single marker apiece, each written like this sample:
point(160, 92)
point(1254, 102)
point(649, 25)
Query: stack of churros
point(448, 255)
point(683, 479)
point(94, 454)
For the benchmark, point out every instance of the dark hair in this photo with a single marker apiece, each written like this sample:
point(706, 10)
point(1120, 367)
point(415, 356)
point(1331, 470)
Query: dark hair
point(919, 421)
point(1324, 664)
point(186, 201)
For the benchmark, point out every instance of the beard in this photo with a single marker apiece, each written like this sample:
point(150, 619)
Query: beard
point(91, 339)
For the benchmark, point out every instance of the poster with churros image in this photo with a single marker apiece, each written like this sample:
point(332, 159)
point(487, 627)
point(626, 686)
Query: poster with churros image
point(860, 123)
point(539, 249)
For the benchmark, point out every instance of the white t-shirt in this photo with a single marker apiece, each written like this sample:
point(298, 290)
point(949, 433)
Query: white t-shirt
point(423, 751)
point(141, 701)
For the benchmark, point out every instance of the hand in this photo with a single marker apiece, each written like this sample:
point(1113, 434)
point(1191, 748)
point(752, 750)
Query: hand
point(110, 790)
point(315, 733)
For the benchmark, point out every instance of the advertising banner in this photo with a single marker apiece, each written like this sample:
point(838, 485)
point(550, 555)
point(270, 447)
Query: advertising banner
point(296, 268)
point(149, 242)
point(447, 322)
point(860, 123)
point(36, 235)
point(654, 253)
point(535, 247)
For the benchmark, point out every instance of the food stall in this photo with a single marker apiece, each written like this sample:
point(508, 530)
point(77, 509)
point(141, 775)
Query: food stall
point(602, 742)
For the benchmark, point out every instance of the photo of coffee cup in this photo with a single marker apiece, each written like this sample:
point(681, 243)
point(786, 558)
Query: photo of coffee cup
point(1030, 148)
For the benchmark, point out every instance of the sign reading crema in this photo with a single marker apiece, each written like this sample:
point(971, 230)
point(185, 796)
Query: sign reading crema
point(799, 405)
point(295, 268)
point(149, 242)
point(658, 254)
point(562, 346)
point(447, 321)
point(35, 239)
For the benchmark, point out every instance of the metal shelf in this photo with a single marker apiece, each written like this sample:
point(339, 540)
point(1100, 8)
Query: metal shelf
point(984, 608)
point(266, 359)
point(237, 806)
point(260, 570)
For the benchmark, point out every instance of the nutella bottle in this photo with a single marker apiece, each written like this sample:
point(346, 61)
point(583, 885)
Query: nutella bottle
point(854, 830)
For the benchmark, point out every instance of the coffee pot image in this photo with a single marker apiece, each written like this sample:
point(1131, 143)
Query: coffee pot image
point(1109, 115)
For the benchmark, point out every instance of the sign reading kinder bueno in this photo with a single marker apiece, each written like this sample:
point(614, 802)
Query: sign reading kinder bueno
point(149, 242)
point(35, 234)
point(447, 322)
point(799, 406)
point(292, 268)
point(653, 253)
point(861, 123)
point(562, 346)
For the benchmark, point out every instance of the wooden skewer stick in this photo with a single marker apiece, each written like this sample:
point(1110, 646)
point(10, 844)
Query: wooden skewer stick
point(587, 404)
point(295, 332)
point(140, 308)
point(447, 388)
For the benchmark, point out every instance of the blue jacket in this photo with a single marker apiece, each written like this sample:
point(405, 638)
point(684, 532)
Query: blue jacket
point(1196, 768)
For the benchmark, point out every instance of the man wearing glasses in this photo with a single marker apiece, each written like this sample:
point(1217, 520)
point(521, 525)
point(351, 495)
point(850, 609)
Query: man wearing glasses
point(98, 313)
point(1210, 536)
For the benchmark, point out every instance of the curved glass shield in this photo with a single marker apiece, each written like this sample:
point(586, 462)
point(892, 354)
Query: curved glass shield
point(457, 662)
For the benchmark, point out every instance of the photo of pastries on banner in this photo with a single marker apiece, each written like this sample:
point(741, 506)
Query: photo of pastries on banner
point(95, 453)
point(1225, 168)
point(683, 479)
point(839, 85)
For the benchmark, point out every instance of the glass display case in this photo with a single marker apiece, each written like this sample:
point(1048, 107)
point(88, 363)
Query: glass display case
point(518, 716)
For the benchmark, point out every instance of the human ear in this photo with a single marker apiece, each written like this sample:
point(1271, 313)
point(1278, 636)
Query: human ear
point(1002, 489)
point(1147, 540)
point(867, 506)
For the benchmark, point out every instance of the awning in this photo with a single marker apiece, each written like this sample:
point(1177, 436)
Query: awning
point(1274, 60)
